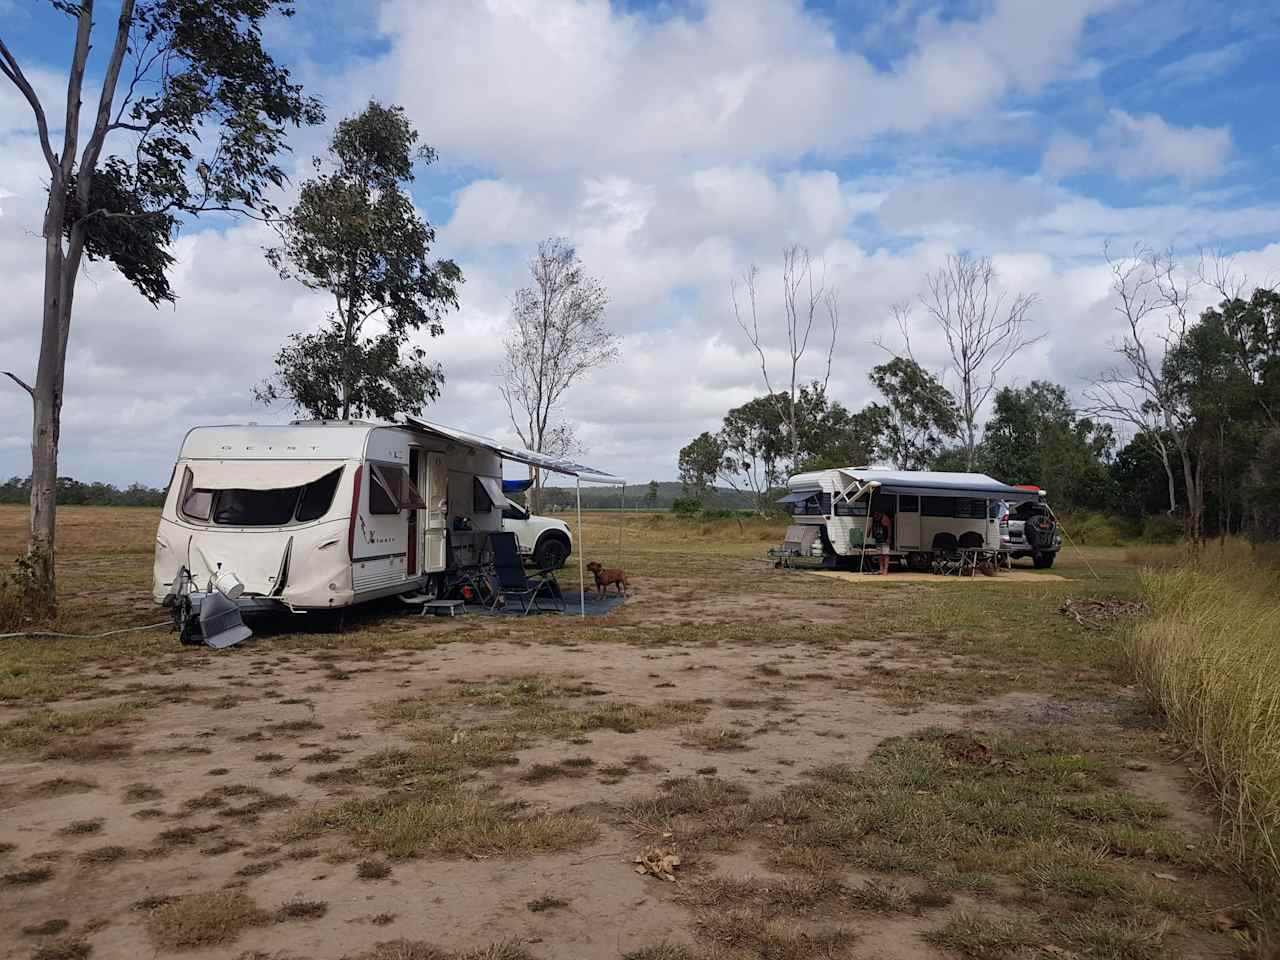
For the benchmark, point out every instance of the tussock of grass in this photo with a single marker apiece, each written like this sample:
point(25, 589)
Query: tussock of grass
point(984, 936)
point(448, 823)
point(203, 920)
point(301, 910)
point(57, 735)
point(749, 934)
point(1209, 657)
point(48, 928)
point(142, 792)
point(60, 787)
point(714, 739)
point(26, 878)
point(80, 828)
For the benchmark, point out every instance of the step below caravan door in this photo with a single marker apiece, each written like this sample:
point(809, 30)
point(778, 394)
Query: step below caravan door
point(435, 519)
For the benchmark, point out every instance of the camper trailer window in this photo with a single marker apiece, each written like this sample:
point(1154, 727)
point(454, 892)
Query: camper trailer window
point(318, 496)
point(938, 506)
point(971, 509)
point(908, 503)
point(386, 493)
point(255, 508)
point(857, 508)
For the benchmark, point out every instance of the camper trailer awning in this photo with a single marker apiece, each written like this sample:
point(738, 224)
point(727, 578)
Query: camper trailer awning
point(936, 483)
point(540, 460)
point(516, 486)
point(257, 474)
point(493, 487)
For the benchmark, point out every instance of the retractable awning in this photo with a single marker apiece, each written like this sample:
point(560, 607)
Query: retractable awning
point(540, 460)
point(257, 474)
point(938, 483)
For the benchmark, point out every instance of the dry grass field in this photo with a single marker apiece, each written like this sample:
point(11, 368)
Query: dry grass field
point(739, 762)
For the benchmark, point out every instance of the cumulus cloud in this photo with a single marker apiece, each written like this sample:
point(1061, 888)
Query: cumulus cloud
point(1143, 147)
point(674, 149)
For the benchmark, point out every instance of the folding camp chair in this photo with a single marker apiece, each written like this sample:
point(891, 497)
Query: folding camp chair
point(947, 558)
point(798, 542)
point(532, 592)
point(972, 547)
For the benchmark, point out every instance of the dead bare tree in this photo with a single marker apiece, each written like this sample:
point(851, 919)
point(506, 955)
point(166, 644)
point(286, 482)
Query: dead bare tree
point(1154, 298)
point(984, 330)
point(557, 335)
point(803, 298)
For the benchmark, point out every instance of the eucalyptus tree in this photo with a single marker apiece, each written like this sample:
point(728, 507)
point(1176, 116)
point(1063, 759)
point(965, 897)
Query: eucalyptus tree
point(355, 234)
point(191, 113)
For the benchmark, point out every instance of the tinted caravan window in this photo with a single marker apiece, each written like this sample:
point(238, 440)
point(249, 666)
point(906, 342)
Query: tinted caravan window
point(385, 488)
point(971, 509)
point(908, 503)
point(255, 508)
point(480, 499)
point(938, 506)
point(317, 497)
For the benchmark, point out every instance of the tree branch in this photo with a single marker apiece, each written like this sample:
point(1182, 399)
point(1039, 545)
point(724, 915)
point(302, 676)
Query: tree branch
point(20, 382)
point(9, 67)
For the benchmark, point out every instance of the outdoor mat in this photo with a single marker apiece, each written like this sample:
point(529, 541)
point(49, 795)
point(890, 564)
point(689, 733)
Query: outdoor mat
point(1004, 576)
point(595, 606)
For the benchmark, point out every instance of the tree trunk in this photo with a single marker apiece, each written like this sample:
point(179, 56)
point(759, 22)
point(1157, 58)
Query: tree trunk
point(47, 409)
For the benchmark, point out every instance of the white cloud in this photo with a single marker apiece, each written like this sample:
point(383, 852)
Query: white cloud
point(517, 84)
point(1143, 147)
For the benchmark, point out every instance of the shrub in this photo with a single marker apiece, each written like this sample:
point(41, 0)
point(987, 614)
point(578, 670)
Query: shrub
point(1162, 528)
point(686, 507)
point(15, 593)
point(1095, 530)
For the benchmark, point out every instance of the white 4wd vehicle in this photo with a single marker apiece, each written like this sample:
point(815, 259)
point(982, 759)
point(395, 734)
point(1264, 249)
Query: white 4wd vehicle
point(543, 541)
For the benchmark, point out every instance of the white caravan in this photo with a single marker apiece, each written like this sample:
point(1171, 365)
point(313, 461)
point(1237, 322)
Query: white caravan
point(929, 512)
point(323, 514)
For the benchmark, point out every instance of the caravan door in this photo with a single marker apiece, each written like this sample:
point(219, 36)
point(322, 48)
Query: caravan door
point(434, 521)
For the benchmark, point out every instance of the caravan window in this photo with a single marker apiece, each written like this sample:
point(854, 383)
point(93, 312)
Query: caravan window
point(386, 488)
point(260, 508)
point(938, 506)
point(858, 508)
point(815, 506)
point(255, 508)
point(317, 497)
point(908, 503)
point(481, 502)
point(971, 509)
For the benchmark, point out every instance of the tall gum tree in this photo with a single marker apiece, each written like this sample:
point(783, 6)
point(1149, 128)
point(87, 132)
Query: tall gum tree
point(198, 110)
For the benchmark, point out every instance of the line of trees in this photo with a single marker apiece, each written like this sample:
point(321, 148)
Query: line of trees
point(1195, 397)
point(71, 491)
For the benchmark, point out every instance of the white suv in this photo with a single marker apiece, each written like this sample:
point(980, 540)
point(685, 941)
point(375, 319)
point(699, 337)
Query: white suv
point(544, 541)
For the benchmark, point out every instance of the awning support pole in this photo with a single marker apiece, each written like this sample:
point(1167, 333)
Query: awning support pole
point(582, 576)
point(622, 514)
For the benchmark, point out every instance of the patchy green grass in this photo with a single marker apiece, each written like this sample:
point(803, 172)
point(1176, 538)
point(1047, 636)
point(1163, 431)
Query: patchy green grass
point(446, 823)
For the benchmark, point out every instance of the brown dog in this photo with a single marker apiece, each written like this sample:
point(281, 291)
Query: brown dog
point(604, 577)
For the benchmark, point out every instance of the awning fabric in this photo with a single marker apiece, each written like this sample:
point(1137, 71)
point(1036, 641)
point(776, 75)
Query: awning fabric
point(798, 496)
point(931, 483)
point(257, 474)
point(540, 460)
point(516, 486)
point(493, 487)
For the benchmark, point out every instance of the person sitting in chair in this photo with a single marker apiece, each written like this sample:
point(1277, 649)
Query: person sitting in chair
point(882, 534)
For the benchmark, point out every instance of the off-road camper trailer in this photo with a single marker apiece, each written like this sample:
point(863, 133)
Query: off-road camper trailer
point(929, 512)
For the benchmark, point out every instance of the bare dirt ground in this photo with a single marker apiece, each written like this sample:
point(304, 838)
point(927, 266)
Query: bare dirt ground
point(841, 770)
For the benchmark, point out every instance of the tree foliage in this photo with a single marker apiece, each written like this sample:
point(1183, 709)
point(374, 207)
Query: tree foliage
point(920, 415)
point(355, 234)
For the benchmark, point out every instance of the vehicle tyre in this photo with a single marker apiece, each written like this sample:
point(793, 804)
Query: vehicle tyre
point(1043, 561)
point(550, 553)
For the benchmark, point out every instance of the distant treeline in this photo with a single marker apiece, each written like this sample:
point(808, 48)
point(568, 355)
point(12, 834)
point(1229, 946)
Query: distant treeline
point(653, 495)
point(72, 491)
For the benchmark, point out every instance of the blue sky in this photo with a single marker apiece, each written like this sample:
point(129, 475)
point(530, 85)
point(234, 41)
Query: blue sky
point(676, 144)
